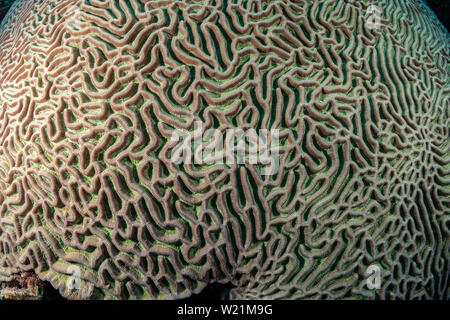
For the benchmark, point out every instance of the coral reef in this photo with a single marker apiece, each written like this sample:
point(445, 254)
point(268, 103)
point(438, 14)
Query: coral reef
point(91, 93)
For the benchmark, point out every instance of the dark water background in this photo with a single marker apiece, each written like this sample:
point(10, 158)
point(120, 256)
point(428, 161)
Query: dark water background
point(442, 10)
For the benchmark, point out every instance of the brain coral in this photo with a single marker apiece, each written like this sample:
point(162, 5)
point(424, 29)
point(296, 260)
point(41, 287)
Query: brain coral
point(5, 4)
point(91, 92)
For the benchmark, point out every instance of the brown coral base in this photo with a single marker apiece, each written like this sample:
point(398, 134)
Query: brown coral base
point(27, 286)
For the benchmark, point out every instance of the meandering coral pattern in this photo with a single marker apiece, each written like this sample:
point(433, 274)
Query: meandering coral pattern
point(87, 110)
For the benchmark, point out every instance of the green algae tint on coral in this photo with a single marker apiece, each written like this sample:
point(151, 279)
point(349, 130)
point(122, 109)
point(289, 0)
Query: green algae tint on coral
point(91, 92)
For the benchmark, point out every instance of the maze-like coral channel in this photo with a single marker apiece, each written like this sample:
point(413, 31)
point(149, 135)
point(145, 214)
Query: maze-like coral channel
point(91, 92)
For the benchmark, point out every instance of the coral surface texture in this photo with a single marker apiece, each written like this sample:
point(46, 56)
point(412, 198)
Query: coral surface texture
point(92, 91)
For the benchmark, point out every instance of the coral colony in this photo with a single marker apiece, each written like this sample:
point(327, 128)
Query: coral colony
point(293, 149)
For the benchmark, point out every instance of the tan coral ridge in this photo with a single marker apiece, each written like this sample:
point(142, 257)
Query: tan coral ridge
point(91, 92)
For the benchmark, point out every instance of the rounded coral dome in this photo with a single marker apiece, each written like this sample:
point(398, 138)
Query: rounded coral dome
point(345, 195)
